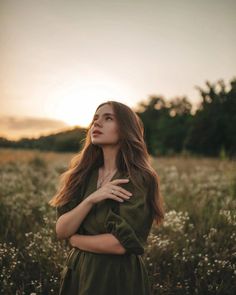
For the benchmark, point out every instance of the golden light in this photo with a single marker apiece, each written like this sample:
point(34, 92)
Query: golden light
point(75, 104)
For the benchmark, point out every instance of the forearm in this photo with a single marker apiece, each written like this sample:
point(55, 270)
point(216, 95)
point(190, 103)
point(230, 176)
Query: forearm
point(102, 243)
point(68, 223)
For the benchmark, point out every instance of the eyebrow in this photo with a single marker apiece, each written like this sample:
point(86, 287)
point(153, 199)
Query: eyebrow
point(105, 114)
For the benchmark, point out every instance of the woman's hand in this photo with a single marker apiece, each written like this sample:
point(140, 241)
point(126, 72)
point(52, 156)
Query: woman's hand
point(111, 190)
point(72, 240)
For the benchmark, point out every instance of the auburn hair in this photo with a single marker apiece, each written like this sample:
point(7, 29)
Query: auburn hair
point(132, 158)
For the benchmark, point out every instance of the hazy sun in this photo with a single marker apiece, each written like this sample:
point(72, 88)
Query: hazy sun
point(76, 104)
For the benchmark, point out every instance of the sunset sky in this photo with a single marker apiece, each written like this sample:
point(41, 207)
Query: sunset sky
point(60, 59)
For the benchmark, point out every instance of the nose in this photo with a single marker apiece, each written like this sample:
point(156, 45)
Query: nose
point(97, 123)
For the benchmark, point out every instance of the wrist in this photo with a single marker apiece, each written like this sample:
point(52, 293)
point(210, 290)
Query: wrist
point(89, 200)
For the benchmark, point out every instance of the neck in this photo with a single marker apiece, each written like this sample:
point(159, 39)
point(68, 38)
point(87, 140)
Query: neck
point(109, 156)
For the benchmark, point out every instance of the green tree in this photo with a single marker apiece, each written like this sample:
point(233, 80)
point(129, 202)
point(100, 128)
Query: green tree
point(213, 127)
point(166, 124)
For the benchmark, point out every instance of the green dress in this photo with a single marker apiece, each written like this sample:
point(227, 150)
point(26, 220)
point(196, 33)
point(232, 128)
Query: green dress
point(89, 273)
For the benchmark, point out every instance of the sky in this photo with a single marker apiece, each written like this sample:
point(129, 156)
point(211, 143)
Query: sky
point(60, 59)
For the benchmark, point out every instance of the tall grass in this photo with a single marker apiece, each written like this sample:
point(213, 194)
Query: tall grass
point(194, 252)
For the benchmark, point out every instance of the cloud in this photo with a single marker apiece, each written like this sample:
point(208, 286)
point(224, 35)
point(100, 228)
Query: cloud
point(17, 127)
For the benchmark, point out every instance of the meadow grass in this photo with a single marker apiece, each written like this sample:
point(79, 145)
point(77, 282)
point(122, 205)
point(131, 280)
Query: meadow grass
point(193, 252)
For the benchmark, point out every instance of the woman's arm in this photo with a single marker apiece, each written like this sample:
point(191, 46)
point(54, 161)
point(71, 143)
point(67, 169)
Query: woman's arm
point(68, 223)
point(102, 243)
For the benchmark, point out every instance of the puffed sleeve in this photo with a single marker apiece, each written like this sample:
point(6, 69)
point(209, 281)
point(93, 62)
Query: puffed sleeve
point(130, 221)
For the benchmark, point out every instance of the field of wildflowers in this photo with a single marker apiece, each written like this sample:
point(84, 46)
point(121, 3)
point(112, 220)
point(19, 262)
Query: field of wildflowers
point(193, 252)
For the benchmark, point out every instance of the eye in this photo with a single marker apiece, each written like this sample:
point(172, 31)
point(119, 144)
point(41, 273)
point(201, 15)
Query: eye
point(109, 118)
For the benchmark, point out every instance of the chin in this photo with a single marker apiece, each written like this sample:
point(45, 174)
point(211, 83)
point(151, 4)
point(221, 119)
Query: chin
point(96, 142)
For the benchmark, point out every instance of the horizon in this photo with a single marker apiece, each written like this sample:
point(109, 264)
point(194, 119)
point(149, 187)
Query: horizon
point(49, 125)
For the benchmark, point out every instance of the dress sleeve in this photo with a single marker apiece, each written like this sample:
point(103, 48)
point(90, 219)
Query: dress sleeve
point(75, 200)
point(130, 221)
point(66, 207)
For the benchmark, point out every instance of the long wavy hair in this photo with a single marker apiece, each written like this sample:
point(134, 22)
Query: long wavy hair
point(132, 159)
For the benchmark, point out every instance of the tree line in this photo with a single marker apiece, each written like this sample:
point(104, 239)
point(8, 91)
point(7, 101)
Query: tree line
point(170, 127)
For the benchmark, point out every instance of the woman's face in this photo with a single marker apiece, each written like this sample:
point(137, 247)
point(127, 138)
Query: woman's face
point(104, 129)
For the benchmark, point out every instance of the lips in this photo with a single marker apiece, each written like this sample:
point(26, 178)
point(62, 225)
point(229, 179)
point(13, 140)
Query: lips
point(97, 132)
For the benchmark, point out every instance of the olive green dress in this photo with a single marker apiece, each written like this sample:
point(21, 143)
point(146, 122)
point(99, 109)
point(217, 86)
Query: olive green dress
point(89, 273)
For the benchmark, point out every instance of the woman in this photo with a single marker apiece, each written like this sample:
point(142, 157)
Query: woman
point(106, 206)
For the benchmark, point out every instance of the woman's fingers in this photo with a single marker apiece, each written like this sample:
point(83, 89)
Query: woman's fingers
point(118, 191)
point(114, 197)
point(112, 190)
point(120, 180)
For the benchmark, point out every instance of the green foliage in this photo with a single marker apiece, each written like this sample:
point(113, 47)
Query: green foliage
point(213, 126)
point(66, 141)
point(166, 124)
point(170, 126)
